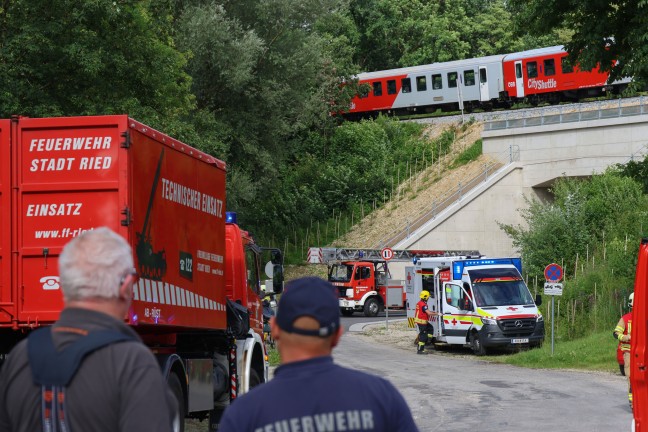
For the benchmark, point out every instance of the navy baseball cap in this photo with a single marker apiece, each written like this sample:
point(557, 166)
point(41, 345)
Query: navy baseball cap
point(313, 297)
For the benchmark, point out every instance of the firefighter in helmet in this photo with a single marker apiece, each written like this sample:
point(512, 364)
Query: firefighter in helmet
point(622, 333)
point(421, 318)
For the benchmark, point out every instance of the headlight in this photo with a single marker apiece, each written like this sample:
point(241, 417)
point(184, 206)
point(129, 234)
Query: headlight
point(349, 292)
point(539, 318)
point(489, 321)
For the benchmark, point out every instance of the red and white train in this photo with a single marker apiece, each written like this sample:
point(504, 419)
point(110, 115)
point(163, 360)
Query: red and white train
point(537, 75)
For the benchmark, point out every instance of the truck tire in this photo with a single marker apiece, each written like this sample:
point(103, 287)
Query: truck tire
point(371, 307)
point(476, 344)
point(255, 379)
point(347, 312)
point(176, 388)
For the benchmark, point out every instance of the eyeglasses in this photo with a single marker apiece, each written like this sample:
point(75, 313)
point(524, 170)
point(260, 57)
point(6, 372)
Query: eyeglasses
point(133, 273)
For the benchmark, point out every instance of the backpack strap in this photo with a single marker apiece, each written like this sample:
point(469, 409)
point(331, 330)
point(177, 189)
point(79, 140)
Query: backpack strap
point(53, 370)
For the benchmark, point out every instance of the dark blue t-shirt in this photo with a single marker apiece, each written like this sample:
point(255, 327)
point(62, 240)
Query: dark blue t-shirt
point(317, 395)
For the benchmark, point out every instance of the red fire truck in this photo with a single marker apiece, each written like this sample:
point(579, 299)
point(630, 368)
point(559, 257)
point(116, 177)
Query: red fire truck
point(363, 278)
point(197, 303)
point(639, 345)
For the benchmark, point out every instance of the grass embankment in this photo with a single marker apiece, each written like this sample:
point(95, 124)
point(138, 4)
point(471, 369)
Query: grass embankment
point(596, 352)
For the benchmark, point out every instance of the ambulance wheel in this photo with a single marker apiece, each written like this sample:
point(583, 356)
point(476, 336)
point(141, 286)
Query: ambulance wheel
point(176, 389)
point(476, 344)
point(347, 312)
point(371, 307)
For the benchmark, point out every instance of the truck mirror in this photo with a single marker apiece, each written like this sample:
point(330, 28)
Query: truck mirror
point(277, 278)
point(276, 257)
point(538, 300)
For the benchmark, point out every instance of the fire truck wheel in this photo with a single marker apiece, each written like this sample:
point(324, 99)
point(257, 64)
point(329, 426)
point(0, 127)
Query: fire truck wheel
point(255, 380)
point(176, 389)
point(347, 312)
point(476, 344)
point(371, 307)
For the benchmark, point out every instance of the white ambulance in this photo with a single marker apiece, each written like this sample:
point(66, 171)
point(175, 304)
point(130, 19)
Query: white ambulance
point(484, 302)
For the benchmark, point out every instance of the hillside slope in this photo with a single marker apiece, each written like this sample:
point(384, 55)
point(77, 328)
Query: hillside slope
point(414, 197)
point(418, 194)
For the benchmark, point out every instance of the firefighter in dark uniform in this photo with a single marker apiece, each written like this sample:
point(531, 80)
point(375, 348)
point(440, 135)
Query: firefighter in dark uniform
point(421, 318)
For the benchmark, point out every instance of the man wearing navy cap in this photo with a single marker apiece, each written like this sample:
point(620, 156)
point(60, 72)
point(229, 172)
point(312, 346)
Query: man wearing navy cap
point(310, 393)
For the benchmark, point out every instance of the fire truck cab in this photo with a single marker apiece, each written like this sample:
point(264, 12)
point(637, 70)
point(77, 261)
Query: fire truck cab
point(365, 286)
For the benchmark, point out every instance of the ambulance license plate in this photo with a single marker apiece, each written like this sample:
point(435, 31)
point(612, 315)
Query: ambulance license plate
point(345, 303)
point(520, 341)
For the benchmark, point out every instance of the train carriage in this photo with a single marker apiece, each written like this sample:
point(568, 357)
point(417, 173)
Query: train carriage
point(536, 75)
point(426, 88)
point(545, 74)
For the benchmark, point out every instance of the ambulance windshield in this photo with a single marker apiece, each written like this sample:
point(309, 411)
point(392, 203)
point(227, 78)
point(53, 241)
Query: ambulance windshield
point(499, 287)
point(340, 273)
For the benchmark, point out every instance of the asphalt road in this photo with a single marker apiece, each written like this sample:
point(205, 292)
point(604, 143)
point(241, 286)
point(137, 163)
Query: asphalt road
point(458, 393)
point(359, 318)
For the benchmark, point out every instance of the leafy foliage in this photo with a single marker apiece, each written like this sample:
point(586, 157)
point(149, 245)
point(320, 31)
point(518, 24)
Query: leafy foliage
point(94, 57)
point(399, 33)
point(608, 207)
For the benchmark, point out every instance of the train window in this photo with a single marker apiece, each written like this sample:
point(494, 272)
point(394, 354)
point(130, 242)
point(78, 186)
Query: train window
point(518, 70)
point(549, 67)
point(406, 84)
point(377, 88)
point(452, 79)
point(532, 69)
point(469, 77)
point(421, 83)
point(482, 75)
point(566, 65)
point(437, 83)
point(391, 87)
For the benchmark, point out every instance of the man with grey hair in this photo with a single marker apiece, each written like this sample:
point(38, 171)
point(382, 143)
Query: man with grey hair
point(117, 384)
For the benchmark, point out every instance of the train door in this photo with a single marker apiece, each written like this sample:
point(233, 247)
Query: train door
point(519, 79)
point(484, 94)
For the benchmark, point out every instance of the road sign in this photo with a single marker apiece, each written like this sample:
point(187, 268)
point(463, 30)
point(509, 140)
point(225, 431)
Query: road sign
point(315, 256)
point(387, 253)
point(553, 272)
point(553, 289)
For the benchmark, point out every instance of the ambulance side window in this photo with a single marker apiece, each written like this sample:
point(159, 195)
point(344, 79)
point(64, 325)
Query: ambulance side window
point(428, 284)
point(465, 302)
point(453, 295)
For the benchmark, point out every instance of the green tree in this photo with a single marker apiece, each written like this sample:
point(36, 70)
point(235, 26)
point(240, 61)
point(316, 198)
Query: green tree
point(98, 57)
point(637, 170)
point(583, 214)
point(269, 78)
point(603, 32)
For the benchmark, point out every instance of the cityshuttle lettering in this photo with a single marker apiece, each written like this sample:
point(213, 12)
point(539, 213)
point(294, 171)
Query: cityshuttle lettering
point(191, 198)
point(352, 420)
point(49, 145)
point(541, 85)
point(54, 209)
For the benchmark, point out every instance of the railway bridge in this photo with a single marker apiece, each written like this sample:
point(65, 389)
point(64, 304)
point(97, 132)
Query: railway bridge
point(538, 151)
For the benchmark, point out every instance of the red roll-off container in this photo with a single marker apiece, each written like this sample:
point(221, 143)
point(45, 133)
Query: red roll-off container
point(62, 176)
